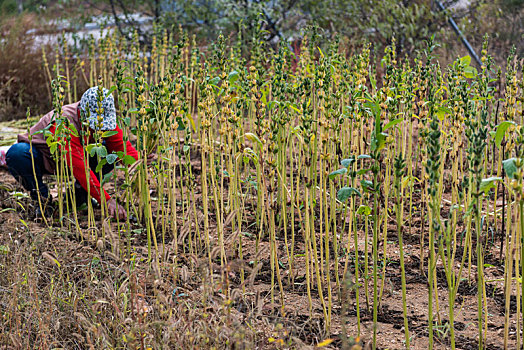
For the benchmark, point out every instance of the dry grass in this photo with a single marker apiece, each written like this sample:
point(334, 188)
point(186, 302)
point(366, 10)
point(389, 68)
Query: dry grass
point(22, 80)
point(58, 293)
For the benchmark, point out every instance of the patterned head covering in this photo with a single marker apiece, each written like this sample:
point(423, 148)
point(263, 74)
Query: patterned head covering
point(89, 107)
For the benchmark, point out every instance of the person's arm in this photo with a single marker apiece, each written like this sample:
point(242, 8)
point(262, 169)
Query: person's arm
point(76, 161)
point(115, 143)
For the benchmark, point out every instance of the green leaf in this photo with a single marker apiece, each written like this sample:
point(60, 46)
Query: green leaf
point(106, 178)
point(47, 134)
point(373, 107)
point(373, 81)
point(367, 185)
point(345, 192)
point(73, 130)
point(335, 173)
point(109, 133)
point(128, 160)
point(509, 167)
point(378, 142)
point(442, 111)
point(53, 147)
point(91, 149)
point(347, 162)
point(111, 158)
point(501, 131)
point(233, 76)
point(272, 104)
point(214, 81)
point(364, 210)
point(113, 88)
point(363, 171)
point(82, 207)
point(488, 184)
point(101, 163)
point(392, 123)
point(253, 138)
point(264, 95)
point(407, 181)
point(364, 156)
point(101, 151)
point(466, 60)
point(181, 124)
point(470, 72)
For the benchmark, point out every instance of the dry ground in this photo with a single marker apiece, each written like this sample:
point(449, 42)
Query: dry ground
point(59, 290)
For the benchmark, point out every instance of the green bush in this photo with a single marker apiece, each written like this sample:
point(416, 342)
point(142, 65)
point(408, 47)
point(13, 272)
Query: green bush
point(8, 7)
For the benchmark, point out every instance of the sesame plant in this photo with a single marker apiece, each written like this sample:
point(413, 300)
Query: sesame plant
point(282, 197)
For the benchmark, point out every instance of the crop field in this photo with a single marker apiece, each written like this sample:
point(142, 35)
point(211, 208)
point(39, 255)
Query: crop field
point(288, 198)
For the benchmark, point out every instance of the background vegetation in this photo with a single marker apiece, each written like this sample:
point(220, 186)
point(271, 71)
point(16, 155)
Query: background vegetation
point(355, 21)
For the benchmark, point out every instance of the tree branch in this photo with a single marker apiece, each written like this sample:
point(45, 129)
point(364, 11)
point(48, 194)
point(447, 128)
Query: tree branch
point(129, 20)
point(115, 16)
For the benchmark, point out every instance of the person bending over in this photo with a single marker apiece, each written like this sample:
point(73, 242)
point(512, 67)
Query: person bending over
point(20, 162)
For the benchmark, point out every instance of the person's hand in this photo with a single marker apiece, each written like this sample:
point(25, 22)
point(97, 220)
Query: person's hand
point(116, 210)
